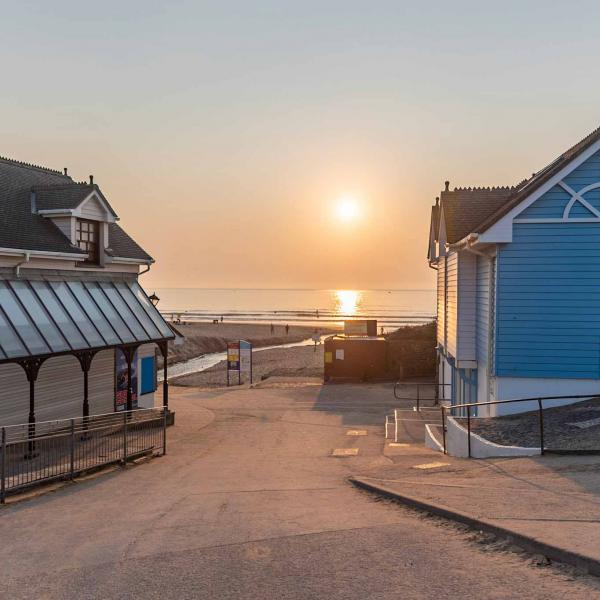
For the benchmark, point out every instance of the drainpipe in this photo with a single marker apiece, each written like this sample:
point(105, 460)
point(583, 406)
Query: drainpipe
point(18, 265)
point(143, 272)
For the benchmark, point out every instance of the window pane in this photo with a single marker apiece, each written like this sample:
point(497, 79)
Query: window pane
point(9, 341)
point(58, 313)
point(39, 316)
point(151, 310)
point(107, 332)
point(111, 314)
point(124, 311)
point(138, 310)
point(20, 321)
point(82, 321)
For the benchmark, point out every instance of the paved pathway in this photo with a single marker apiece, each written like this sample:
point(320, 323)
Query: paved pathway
point(249, 503)
point(554, 499)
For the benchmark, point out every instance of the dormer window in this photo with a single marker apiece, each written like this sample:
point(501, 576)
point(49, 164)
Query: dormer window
point(88, 239)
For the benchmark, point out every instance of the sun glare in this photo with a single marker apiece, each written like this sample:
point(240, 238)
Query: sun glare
point(347, 302)
point(347, 209)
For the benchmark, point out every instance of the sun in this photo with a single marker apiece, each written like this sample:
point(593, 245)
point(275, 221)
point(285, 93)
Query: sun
point(347, 209)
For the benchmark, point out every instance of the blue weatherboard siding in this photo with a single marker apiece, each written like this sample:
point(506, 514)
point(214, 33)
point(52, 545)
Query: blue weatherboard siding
point(548, 301)
point(584, 175)
point(550, 206)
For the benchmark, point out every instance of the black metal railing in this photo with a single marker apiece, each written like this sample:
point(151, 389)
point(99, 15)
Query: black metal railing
point(419, 396)
point(540, 410)
point(65, 448)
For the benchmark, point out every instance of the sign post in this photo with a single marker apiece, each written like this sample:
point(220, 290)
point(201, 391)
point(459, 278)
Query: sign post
point(239, 358)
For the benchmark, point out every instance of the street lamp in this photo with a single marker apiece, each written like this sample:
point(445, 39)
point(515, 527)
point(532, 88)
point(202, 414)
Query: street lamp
point(154, 299)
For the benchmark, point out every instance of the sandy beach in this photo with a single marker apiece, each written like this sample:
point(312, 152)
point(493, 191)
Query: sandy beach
point(203, 338)
point(302, 361)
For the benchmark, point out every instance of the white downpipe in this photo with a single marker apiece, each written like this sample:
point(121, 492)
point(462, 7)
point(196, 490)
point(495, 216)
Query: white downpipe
point(18, 265)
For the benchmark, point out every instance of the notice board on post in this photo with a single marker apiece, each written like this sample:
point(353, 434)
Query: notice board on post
point(233, 360)
point(239, 359)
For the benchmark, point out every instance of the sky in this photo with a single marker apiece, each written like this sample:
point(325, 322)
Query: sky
point(225, 133)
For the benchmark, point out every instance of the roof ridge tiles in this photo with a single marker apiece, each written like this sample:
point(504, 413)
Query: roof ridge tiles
point(58, 186)
point(20, 163)
point(506, 188)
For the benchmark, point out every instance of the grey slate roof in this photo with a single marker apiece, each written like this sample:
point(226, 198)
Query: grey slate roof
point(21, 229)
point(121, 245)
point(65, 196)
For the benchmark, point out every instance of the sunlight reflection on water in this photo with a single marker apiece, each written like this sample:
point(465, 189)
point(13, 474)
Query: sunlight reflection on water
point(347, 302)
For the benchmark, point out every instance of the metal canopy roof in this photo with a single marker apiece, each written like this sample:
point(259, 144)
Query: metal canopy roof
point(41, 318)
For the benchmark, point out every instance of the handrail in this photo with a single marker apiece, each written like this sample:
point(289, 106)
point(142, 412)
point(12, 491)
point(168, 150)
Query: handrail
point(21, 431)
point(67, 447)
point(538, 399)
point(419, 384)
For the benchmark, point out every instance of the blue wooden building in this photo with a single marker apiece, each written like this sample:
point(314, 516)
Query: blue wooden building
point(518, 284)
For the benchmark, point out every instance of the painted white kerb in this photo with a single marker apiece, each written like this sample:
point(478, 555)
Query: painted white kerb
point(457, 444)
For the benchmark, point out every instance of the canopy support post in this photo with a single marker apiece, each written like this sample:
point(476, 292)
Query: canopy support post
point(31, 366)
point(85, 361)
point(164, 349)
point(129, 353)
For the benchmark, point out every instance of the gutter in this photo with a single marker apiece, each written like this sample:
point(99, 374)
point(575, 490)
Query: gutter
point(467, 244)
point(23, 252)
point(131, 261)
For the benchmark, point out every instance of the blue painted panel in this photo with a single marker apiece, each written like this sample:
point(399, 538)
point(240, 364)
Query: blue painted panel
point(148, 371)
point(550, 206)
point(548, 302)
point(579, 211)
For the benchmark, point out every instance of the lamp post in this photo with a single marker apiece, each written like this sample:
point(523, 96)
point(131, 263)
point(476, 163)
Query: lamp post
point(154, 299)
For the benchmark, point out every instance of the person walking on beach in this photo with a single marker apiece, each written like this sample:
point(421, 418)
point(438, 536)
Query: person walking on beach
point(316, 338)
point(272, 329)
point(287, 329)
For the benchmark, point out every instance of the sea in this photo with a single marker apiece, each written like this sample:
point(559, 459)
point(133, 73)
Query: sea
point(392, 308)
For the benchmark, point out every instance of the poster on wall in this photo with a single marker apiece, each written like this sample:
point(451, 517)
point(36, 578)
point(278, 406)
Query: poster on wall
point(233, 360)
point(121, 381)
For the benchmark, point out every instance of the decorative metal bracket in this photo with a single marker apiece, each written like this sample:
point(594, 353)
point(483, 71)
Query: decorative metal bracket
point(32, 367)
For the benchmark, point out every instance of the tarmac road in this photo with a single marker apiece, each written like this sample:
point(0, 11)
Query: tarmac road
point(249, 503)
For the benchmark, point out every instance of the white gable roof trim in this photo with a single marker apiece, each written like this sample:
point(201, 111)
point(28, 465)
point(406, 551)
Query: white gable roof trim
point(501, 231)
